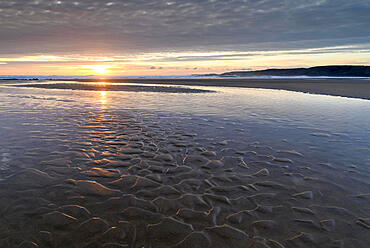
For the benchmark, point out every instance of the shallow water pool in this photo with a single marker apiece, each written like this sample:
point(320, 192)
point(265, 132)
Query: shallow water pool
point(267, 165)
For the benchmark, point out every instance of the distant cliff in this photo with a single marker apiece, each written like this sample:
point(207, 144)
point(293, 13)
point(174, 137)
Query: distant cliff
point(330, 71)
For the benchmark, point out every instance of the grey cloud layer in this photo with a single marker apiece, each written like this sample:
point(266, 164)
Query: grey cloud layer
point(98, 26)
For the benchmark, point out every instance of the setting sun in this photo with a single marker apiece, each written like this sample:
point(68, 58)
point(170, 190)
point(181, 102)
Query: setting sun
point(98, 69)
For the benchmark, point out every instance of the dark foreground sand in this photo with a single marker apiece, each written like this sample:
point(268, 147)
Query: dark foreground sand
point(357, 88)
point(114, 87)
point(109, 179)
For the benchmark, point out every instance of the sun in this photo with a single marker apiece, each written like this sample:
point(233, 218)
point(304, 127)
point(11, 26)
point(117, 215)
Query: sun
point(98, 69)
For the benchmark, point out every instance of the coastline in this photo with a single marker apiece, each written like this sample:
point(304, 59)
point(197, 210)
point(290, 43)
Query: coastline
point(354, 88)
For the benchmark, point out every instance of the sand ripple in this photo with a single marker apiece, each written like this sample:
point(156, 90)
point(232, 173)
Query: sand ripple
point(124, 181)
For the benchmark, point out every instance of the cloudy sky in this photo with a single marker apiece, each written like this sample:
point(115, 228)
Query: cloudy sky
point(177, 37)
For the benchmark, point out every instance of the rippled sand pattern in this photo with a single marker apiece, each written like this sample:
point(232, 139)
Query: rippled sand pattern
point(120, 178)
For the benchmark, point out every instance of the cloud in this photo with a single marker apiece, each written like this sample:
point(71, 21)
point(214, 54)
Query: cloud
point(185, 57)
point(97, 27)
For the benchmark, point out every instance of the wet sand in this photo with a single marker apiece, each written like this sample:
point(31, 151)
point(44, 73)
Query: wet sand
point(112, 87)
point(117, 178)
point(357, 88)
point(118, 181)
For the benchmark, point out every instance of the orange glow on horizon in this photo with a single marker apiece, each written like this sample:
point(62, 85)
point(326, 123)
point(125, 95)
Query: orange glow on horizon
point(179, 63)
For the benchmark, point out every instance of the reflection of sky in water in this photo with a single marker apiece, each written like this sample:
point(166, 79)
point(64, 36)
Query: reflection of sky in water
point(325, 127)
point(270, 151)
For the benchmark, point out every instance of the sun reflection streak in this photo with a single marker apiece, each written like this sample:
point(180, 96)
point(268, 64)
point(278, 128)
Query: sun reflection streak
point(103, 97)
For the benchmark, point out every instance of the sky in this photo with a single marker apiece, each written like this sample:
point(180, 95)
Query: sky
point(179, 37)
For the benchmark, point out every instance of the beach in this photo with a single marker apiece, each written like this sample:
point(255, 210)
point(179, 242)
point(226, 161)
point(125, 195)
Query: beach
point(181, 167)
point(346, 87)
point(184, 124)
